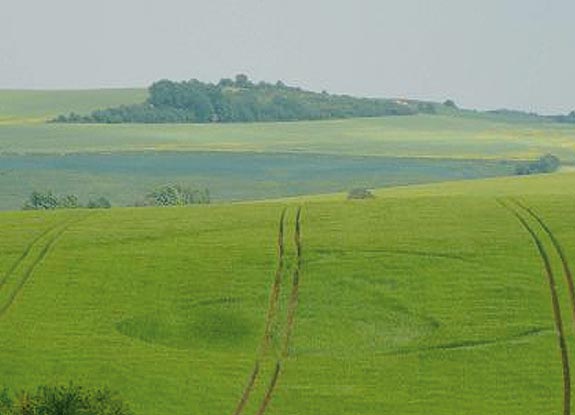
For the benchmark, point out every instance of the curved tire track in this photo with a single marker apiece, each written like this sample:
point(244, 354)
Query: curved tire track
point(556, 307)
point(25, 253)
point(30, 270)
point(271, 315)
point(560, 252)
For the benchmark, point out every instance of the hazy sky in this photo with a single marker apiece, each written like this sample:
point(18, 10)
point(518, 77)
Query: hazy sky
point(482, 53)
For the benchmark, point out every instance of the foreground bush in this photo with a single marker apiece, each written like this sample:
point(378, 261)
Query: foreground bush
point(63, 400)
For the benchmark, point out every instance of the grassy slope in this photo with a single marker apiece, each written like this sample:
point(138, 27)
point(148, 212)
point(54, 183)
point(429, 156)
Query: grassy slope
point(426, 300)
point(464, 135)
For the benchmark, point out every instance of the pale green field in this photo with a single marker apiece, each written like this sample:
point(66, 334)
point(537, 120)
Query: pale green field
point(467, 135)
point(425, 300)
point(25, 106)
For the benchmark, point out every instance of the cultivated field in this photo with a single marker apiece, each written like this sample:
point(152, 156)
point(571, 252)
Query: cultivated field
point(251, 161)
point(426, 300)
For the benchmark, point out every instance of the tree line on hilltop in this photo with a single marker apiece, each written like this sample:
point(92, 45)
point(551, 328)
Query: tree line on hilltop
point(241, 100)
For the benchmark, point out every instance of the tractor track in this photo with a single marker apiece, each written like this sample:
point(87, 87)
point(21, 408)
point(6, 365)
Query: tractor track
point(25, 253)
point(558, 320)
point(271, 316)
point(270, 390)
point(248, 389)
point(294, 296)
point(43, 254)
point(275, 292)
point(560, 252)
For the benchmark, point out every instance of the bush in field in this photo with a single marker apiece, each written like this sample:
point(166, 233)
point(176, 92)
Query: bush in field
point(177, 195)
point(360, 193)
point(63, 400)
point(68, 202)
point(48, 201)
point(41, 201)
point(545, 164)
point(99, 203)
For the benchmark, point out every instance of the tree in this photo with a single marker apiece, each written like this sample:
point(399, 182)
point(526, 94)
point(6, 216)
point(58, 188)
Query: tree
point(41, 201)
point(450, 104)
point(242, 81)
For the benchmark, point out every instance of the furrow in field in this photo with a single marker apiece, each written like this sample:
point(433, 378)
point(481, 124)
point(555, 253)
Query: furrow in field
point(558, 320)
point(560, 252)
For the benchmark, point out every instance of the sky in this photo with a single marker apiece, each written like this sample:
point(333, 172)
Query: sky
point(484, 54)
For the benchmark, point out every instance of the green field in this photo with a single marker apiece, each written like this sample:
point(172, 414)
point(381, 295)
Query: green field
point(426, 300)
point(451, 135)
point(251, 161)
point(125, 178)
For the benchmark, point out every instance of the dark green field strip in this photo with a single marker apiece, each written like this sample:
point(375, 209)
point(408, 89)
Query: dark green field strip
point(55, 232)
point(555, 305)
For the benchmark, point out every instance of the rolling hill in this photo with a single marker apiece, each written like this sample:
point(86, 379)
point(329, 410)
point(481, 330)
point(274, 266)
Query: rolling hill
point(425, 300)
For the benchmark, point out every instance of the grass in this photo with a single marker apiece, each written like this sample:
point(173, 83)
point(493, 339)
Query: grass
point(426, 299)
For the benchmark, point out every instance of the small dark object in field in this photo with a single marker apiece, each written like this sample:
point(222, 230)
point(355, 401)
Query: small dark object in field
point(360, 193)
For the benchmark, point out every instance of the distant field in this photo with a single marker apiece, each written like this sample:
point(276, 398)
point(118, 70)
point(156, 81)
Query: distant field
point(37, 106)
point(125, 178)
point(426, 300)
point(466, 135)
point(417, 136)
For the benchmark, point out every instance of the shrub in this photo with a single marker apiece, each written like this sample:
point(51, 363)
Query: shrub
point(545, 164)
point(41, 201)
point(360, 193)
point(177, 195)
point(63, 400)
point(99, 203)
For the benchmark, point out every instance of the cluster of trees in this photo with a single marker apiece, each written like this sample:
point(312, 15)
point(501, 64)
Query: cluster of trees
point(63, 400)
point(177, 195)
point(241, 100)
point(545, 164)
point(47, 200)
